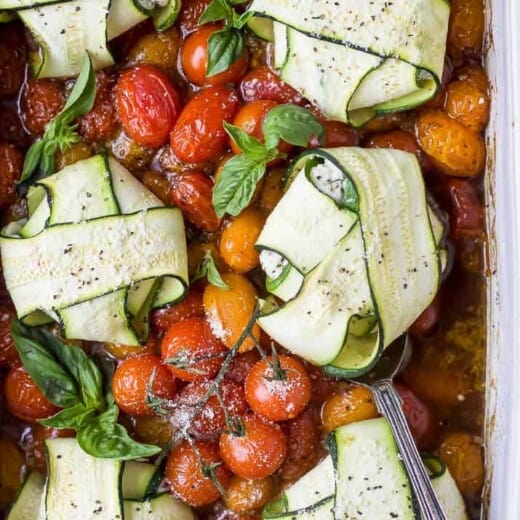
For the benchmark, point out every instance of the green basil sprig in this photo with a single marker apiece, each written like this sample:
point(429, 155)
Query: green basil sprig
point(72, 380)
point(237, 182)
point(208, 268)
point(224, 46)
point(61, 131)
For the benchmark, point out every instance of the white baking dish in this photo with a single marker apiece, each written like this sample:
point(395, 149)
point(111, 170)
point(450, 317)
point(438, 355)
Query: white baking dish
point(502, 490)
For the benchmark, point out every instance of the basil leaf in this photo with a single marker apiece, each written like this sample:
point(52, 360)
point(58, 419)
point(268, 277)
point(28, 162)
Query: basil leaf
point(82, 97)
point(216, 10)
point(237, 183)
point(247, 143)
point(224, 48)
point(74, 417)
point(238, 21)
point(104, 438)
point(292, 124)
point(208, 268)
point(56, 384)
point(32, 159)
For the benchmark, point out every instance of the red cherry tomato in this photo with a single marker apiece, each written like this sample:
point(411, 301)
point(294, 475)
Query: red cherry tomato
point(191, 306)
point(194, 59)
point(336, 134)
point(147, 104)
point(426, 323)
point(41, 101)
point(241, 365)
point(211, 419)
point(131, 379)
point(256, 454)
point(278, 399)
point(250, 118)
point(184, 473)
point(24, 399)
point(467, 214)
point(419, 417)
point(262, 83)
point(8, 353)
point(190, 13)
point(191, 351)
point(199, 135)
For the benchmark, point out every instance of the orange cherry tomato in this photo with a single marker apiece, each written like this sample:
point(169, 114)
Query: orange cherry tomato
point(262, 83)
point(211, 419)
point(256, 454)
point(191, 351)
point(131, 379)
point(250, 119)
point(194, 59)
point(8, 353)
point(466, 28)
point(191, 306)
point(244, 495)
point(147, 105)
point(192, 192)
point(24, 399)
point(186, 476)
point(278, 399)
point(468, 104)
point(199, 135)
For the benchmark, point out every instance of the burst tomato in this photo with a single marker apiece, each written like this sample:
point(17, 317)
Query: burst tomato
point(41, 101)
point(147, 104)
point(11, 164)
point(8, 354)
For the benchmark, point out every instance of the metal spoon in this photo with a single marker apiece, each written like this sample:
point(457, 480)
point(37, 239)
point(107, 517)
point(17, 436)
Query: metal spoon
point(389, 404)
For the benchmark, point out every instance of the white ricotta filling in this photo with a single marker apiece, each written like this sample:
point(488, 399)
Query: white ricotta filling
point(329, 179)
point(272, 263)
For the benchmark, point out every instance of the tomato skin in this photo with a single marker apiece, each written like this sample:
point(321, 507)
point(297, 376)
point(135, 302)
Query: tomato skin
point(13, 57)
point(256, 454)
point(191, 306)
point(262, 83)
point(11, 165)
point(199, 135)
point(278, 399)
point(130, 383)
point(419, 417)
point(336, 134)
point(24, 399)
point(41, 101)
point(191, 341)
point(184, 473)
point(192, 192)
point(211, 419)
point(147, 105)
point(467, 213)
point(426, 323)
point(190, 13)
point(243, 495)
point(8, 353)
point(241, 365)
point(194, 59)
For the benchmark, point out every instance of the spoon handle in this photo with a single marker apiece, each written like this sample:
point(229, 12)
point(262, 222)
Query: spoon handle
point(389, 404)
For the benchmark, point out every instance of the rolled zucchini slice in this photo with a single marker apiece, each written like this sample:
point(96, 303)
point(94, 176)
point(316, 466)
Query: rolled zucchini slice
point(356, 60)
point(356, 225)
point(97, 253)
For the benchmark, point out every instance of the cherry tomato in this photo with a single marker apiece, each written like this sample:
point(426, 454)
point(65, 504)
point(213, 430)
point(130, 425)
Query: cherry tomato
point(426, 323)
point(243, 495)
point(419, 417)
point(262, 83)
point(192, 192)
point(121, 351)
point(41, 101)
point(77, 152)
point(241, 365)
point(194, 59)
point(250, 118)
point(256, 454)
point(11, 165)
point(186, 476)
point(158, 184)
point(190, 14)
point(211, 419)
point(467, 212)
point(278, 397)
point(8, 353)
point(24, 399)
point(13, 58)
point(199, 135)
point(40, 434)
point(131, 380)
point(191, 351)
point(100, 124)
point(303, 445)
point(147, 104)
point(154, 429)
point(336, 134)
point(190, 307)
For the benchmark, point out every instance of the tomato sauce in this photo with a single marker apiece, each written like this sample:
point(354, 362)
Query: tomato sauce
point(175, 144)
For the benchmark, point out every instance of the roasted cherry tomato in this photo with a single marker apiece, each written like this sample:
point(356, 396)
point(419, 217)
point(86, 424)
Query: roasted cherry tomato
point(241, 365)
point(278, 393)
point(187, 472)
point(8, 353)
point(262, 83)
point(131, 380)
point(468, 104)
point(190, 307)
point(427, 322)
point(258, 453)
point(272, 188)
point(466, 28)
point(191, 351)
point(244, 495)
point(24, 399)
point(190, 14)
point(41, 101)
point(194, 59)
point(199, 135)
point(336, 134)
point(13, 58)
point(11, 164)
point(192, 192)
point(467, 212)
point(212, 418)
point(419, 417)
point(147, 104)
